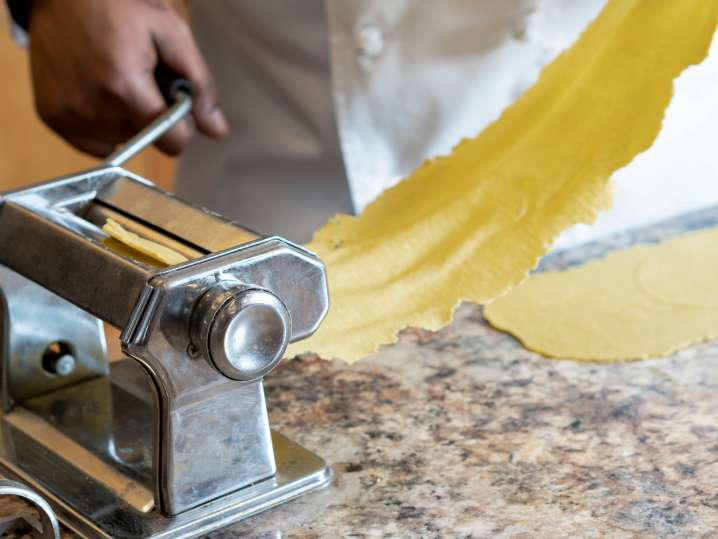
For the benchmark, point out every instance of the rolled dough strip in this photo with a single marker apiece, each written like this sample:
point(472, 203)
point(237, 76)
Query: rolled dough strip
point(646, 301)
point(470, 225)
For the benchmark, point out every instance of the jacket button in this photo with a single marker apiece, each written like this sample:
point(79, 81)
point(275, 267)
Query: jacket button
point(369, 40)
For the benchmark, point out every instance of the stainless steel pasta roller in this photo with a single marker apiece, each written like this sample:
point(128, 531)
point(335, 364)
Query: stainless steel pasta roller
point(173, 440)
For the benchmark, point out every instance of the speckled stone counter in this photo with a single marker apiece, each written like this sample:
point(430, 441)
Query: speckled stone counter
point(463, 433)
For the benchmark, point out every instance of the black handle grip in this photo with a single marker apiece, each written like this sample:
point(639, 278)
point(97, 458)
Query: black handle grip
point(169, 83)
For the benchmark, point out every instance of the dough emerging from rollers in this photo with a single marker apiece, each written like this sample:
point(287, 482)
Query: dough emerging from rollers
point(152, 249)
point(472, 224)
point(645, 301)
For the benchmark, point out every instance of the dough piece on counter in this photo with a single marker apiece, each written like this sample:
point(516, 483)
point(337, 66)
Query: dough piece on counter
point(146, 247)
point(645, 301)
point(470, 225)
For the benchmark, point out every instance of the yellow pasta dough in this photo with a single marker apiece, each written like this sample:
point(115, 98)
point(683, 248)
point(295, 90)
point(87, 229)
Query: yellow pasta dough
point(470, 225)
point(645, 301)
point(147, 247)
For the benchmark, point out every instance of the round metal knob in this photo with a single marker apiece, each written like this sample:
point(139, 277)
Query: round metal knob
point(242, 331)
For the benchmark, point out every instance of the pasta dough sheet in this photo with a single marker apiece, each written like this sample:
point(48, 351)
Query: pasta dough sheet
point(147, 247)
point(645, 301)
point(470, 225)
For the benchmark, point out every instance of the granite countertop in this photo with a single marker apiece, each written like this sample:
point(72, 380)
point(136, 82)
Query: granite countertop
point(463, 433)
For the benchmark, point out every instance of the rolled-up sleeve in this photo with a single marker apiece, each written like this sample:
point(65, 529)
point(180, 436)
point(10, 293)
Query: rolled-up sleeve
point(19, 16)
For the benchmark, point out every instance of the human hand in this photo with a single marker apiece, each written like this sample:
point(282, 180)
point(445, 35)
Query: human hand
point(92, 65)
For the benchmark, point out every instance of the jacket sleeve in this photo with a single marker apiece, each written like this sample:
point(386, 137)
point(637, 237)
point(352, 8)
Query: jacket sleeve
point(19, 17)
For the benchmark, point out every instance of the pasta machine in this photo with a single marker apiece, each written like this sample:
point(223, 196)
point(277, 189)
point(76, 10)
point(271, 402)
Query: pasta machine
point(173, 439)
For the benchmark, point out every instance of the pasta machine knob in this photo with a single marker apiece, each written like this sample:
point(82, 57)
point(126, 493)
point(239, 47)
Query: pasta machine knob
point(242, 331)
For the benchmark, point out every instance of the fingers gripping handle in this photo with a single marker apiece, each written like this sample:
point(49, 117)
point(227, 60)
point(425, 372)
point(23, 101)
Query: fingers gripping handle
point(170, 84)
point(178, 95)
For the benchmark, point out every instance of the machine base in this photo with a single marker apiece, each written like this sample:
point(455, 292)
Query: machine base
point(93, 464)
point(298, 472)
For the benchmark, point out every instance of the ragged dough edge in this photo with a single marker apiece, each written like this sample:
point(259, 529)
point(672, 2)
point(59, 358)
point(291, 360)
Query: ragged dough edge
point(333, 236)
point(391, 334)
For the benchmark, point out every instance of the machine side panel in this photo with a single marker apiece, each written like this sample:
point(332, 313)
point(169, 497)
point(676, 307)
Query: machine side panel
point(81, 271)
